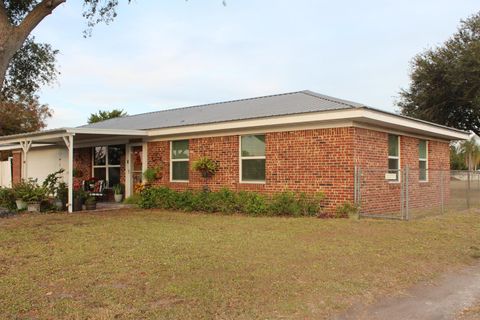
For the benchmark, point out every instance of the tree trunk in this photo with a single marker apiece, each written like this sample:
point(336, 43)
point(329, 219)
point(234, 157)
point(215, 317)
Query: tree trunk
point(12, 37)
point(10, 43)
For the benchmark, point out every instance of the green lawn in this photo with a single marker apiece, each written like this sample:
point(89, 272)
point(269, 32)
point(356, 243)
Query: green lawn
point(164, 265)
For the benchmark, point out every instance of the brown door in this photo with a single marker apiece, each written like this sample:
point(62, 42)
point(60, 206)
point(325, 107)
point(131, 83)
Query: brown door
point(136, 160)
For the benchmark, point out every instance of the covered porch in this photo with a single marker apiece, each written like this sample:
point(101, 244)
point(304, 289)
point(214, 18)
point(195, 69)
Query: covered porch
point(114, 156)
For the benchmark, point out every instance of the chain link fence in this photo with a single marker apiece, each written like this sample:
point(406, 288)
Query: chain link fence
point(414, 193)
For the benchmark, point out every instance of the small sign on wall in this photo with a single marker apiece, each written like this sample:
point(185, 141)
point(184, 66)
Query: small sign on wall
point(390, 176)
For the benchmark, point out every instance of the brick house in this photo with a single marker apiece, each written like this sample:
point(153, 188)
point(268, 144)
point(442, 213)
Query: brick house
point(300, 141)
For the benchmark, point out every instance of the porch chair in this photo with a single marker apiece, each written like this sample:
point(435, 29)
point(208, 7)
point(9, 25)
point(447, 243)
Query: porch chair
point(98, 190)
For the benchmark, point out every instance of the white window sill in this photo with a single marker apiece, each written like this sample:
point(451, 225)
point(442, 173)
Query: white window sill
point(180, 181)
point(253, 182)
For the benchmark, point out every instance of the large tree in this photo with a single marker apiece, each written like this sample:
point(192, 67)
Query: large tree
point(445, 81)
point(22, 116)
point(18, 18)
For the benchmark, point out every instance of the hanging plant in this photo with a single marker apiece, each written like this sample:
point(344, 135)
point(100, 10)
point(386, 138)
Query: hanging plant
point(206, 166)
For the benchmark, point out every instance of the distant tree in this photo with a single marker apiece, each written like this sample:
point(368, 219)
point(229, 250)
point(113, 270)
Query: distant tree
point(471, 153)
point(103, 115)
point(445, 81)
point(457, 159)
point(23, 116)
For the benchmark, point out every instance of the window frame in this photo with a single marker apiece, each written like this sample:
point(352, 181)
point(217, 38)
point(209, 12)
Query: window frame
point(423, 160)
point(106, 166)
point(179, 160)
point(241, 158)
point(398, 158)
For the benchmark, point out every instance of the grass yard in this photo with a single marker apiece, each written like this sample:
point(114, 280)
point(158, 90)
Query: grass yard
point(163, 265)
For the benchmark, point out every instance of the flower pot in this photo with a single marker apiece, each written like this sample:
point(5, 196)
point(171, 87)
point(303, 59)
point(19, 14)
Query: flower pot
point(58, 203)
point(33, 207)
point(205, 174)
point(21, 205)
point(91, 206)
point(118, 198)
point(77, 204)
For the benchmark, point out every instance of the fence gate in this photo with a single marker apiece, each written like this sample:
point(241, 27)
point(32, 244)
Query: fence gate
point(382, 194)
point(6, 173)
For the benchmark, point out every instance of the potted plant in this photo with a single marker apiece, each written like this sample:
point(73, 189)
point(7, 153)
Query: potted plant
point(34, 196)
point(20, 190)
point(78, 199)
point(152, 174)
point(62, 196)
point(53, 188)
point(206, 166)
point(91, 203)
point(118, 195)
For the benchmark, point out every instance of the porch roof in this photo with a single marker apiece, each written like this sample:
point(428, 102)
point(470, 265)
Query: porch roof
point(56, 136)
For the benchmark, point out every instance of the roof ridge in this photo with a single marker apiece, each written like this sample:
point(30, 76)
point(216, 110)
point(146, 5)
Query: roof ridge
point(332, 99)
point(203, 105)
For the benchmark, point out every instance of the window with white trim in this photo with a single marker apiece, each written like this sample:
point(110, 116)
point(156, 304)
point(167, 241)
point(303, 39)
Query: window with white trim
point(423, 160)
point(179, 160)
point(106, 163)
point(252, 158)
point(394, 155)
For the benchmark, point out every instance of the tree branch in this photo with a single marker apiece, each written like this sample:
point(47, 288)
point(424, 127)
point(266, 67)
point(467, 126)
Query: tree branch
point(3, 14)
point(35, 16)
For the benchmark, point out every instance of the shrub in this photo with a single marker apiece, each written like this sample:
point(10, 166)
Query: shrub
point(7, 199)
point(347, 210)
point(133, 199)
point(252, 203)
point(226, 201)
point(284, 204)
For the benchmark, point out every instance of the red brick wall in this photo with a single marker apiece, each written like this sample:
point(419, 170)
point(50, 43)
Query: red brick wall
point(311, 161)
point(380, 196)
point(306, 160)
point(17, 167)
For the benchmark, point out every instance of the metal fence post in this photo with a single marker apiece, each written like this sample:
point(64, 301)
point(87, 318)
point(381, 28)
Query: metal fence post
point(407, 200)
point(468, 189)
point(442, 192)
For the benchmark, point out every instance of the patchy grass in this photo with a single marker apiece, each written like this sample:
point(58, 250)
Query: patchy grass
point(153, 264)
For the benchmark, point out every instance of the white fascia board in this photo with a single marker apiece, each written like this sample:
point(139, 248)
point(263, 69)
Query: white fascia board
point(116, 132)
point(35, 137)
point(412, 125)
point(361, 115)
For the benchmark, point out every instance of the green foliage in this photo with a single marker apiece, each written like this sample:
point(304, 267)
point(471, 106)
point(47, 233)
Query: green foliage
point(206, 166)
point(445, 81)
point(118, 189)
point(471, 153)
point(29, 191)
point(228, 202)
point(252, 203)
point(32, 67)
point(151, 174)
point(103, 115)
point(347, 210)
point(133, 199)
point(7, 199)
point(457, 159)
point(52, 182)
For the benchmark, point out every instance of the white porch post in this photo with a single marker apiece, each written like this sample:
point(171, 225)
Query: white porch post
point(25, 148)
point(69, 143)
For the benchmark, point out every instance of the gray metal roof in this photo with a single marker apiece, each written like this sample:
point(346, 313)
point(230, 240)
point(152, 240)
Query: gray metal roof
point(261, 107)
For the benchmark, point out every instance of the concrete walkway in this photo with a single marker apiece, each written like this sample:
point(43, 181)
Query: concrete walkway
point(445, 298)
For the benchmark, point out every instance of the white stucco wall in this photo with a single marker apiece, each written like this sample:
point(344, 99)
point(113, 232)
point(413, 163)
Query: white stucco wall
point(42, 162)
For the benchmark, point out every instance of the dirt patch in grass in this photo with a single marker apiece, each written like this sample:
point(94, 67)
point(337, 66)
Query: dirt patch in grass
point(153, 264)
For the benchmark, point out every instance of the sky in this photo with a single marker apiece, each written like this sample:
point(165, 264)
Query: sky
point(164, 54)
